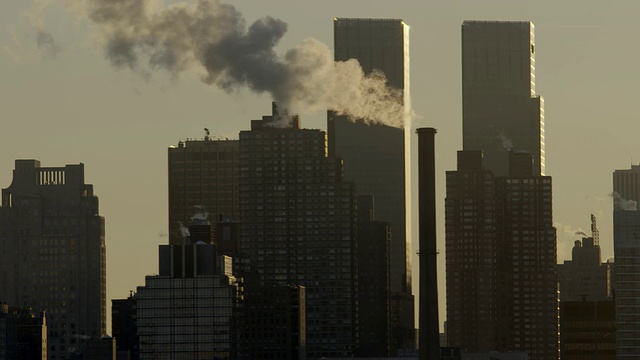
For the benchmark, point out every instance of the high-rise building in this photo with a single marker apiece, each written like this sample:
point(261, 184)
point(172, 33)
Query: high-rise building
point(500, 110)
point(374, 239)
point(298, 225)
point(52, 252)
point(626, 242)
point(471, 258)
point(527, 279)
point(376, 157)
point(203, 177)
point(501, 257)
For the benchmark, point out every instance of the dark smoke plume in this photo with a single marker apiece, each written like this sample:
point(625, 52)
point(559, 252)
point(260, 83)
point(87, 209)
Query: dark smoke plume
point(213, 37)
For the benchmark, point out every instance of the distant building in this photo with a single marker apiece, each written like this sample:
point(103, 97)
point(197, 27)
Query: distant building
point(124, 328)
point(626, 241)
point(52, 252)
point(501, 259)
point(585, 277)
point(23, 335)
point(377, 157)
point(298, 225)
point(186, 312)
point(587, 330)
point(500, 108)
point(203, 177)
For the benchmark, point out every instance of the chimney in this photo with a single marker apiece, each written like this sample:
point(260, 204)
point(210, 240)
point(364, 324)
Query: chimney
point(429, 333)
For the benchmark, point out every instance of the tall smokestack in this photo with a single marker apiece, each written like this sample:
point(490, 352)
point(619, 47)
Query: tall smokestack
point(429, 333)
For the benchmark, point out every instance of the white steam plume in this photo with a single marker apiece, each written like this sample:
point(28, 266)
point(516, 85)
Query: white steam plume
point(622, 203)
point(213, 37)
point(507, 144)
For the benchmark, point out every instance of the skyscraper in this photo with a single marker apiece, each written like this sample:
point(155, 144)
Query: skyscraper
point(501, 257)
point(376, 157)
point(298, 225)
point(203, 177)
point(52, 252)
point(500, 110)
point(471, 261)
point(626, 243)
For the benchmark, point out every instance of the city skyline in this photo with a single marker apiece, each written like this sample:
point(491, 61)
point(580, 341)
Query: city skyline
point(122, 111)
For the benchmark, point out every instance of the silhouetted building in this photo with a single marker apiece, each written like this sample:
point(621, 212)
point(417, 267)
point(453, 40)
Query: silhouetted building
point(23, 335)
point(123, 326)
point(587, 330)
point(377, 157)
point(374, 240)
point(272, 324)
point(203, 176)
point(52, 252)
point(298, 225)
point(585, 277)
point(500, 110)
point(626, 241)
point(186, 312)
point(501, 259)
point(471, 255)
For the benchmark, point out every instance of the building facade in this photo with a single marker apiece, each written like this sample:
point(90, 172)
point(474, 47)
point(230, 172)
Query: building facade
point(52, 252)
point(374, 288)
point(124, 328)
point(272, 324)
point(203, 177)
point(587, 330)
point(501, 257)
point(186, 312)
point(23, 334)
point(500, 110)
point(377, 157)
point(626, 227)
point(298, 225)
point(471, 259)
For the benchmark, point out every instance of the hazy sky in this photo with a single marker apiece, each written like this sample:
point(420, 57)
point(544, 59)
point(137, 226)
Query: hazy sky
point(62, 102)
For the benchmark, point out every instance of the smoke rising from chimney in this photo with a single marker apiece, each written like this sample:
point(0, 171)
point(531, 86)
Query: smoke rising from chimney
point(212, 37)
point(581, 233)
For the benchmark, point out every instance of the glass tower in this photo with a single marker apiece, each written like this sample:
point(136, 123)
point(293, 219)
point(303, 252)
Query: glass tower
point(500, 110)
point(376, 157)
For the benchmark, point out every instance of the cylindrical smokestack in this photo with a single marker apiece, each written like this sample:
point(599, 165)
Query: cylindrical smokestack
point(429, 333)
